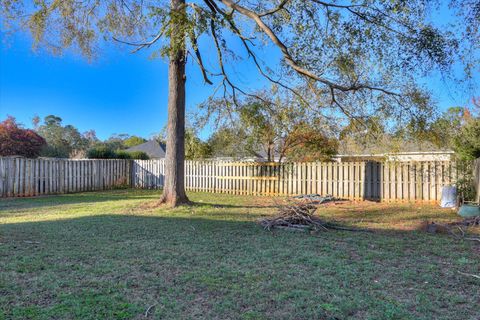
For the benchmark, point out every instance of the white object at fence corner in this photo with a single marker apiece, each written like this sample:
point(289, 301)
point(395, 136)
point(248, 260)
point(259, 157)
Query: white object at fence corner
point(449, 197)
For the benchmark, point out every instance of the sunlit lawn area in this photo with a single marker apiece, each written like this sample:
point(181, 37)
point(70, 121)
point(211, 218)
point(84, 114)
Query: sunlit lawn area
point(115, 255)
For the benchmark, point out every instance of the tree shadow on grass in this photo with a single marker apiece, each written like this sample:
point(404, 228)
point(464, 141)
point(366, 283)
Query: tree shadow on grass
point(110, 195)
point(230, 206)
point(188, 229)
point(200, 263)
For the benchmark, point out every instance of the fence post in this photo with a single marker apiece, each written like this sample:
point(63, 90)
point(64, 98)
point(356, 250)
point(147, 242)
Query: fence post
point(61, 182)
point(362, 181)
point(2, 177)
point(128, 175)
point(14, 176)
point(476, 179)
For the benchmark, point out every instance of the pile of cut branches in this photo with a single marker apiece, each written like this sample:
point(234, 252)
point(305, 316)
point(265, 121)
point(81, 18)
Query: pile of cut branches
point(470, 222)
point(462, 228)
point(300, 216)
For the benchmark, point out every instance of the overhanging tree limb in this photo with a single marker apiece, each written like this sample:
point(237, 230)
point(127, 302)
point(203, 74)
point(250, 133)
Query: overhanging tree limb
point(147, 44)
point(274, 10)
point(287, 56)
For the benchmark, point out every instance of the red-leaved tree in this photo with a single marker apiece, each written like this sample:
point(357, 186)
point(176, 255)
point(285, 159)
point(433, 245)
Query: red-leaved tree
point(16, 141)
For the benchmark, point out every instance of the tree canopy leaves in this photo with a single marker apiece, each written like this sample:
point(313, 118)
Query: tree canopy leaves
point(276, 126)
point(61, 140)
point(17, 141)
point(358, 58)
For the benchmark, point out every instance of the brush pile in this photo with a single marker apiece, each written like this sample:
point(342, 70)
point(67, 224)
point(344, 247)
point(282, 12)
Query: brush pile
point(470, 222)
point(299, 216)
point(461, 230)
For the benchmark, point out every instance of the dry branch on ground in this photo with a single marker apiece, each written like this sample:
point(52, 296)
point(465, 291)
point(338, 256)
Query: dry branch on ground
point(300, 216)
point(458, 230)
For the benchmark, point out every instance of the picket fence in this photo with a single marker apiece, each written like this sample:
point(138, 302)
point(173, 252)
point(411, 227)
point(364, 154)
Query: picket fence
point(380, 181)
point(20, 177)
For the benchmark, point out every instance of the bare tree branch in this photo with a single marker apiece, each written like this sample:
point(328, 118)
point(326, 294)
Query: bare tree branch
point(193, 39)
point(363, 16)
point(287, 56)
point(147, 44)
point(274, 10)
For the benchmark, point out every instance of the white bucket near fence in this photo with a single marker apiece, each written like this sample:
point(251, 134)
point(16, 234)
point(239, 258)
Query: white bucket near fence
point(449, 197)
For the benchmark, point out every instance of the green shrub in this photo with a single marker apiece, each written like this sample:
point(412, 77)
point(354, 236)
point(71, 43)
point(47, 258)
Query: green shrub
point(100, 152)
point(121, 154)
point(467, 142)
point(464, 182)
point(140, 155)
point(103, 152)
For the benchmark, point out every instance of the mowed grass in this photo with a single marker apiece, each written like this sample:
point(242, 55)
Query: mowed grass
point(115, 255)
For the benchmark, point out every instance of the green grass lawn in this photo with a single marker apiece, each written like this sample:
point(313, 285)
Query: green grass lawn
point(113, 255)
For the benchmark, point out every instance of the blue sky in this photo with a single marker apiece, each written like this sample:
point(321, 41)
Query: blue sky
point(117, 93)
point(120, 92)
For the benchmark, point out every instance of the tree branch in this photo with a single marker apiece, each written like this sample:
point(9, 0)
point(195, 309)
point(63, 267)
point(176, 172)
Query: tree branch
point(274, 10)
point(287, 56)
point(193, 39)
point(144, 44)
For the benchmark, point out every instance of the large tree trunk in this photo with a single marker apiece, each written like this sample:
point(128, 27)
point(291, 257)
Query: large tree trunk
point(174, 188)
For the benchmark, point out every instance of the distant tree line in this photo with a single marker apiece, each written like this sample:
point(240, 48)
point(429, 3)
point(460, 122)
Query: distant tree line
point(52, 139)
point(281, 126)
point(457, 129)
point(257, 128)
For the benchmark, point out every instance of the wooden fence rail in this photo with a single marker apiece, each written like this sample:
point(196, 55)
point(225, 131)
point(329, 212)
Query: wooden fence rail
point(382, 181)
point(20, 177)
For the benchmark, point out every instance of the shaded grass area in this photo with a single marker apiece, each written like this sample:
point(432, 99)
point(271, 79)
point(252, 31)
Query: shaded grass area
point(113, 255)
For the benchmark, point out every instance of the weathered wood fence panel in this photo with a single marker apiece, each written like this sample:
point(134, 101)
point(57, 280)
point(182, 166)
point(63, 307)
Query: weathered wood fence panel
point(476, 179)
point(20, 177)
point(381, 181)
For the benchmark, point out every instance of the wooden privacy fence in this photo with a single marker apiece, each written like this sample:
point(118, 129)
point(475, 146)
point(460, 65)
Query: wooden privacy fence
point(20, 177)
point(383, 181)
point(148, 174)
